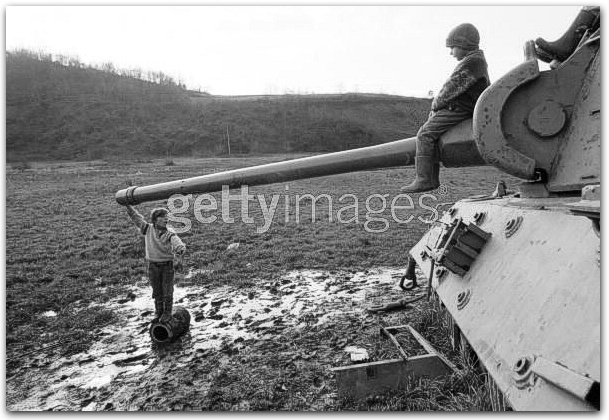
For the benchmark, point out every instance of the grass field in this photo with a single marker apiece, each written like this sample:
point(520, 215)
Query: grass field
point(72, 253)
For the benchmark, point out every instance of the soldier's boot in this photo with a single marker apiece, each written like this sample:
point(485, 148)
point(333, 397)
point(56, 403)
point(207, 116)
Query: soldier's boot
point(158, 310)
point(436, 165)
point(167, 311)
point(564, 46)
point(427, 163)
point(544, 56)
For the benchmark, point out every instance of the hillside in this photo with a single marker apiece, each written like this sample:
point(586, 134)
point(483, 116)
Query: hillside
point(58, 110)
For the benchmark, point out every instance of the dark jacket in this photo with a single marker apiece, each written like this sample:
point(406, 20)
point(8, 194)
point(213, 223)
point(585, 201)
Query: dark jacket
point(465, 84)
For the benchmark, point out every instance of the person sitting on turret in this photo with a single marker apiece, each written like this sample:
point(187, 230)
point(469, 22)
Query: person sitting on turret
point(164, 253)
point(454, 103)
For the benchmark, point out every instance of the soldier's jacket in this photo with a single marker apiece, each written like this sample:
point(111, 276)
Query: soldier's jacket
point(465, 84)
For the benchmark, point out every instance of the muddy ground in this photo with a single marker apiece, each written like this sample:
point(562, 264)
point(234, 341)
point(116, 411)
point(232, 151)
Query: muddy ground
point(266, 348)
point(270, 318)
point(307, 321)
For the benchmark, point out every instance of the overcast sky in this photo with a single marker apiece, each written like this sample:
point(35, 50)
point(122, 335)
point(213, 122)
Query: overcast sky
point(239, 50)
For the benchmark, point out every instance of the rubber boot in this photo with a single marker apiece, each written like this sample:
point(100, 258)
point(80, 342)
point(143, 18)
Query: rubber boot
point(167, 311)
point(436, 165)
point(427, 169)
point(544, 56)
point(158, 310)
point(564, 46)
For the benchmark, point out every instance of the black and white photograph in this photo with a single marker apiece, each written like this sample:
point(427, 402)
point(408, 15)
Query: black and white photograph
point(302, 208)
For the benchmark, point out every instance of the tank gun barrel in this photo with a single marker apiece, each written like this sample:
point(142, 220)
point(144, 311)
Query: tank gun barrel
point(457, 149)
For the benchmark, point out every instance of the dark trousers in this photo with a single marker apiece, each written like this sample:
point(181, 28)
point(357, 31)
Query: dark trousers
point(161, 280)
point(438, 123)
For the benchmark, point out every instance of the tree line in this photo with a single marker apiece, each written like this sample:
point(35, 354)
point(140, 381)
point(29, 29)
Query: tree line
point(157, 77)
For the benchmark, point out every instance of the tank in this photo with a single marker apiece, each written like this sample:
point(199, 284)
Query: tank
point(516, 274)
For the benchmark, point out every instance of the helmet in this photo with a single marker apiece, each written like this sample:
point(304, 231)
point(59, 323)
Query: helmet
point(465, 36)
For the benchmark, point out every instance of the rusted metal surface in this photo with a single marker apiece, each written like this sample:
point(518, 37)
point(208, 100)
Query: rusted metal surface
point(457, 149)
point(538, 292)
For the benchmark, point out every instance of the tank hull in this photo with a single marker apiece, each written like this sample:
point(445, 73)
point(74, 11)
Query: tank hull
point(533, 293)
